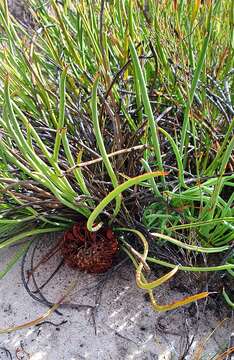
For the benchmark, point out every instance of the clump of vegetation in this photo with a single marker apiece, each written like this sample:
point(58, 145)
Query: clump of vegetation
point(121, 113)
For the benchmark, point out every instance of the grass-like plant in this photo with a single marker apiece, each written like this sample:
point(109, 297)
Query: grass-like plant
point(121, 112)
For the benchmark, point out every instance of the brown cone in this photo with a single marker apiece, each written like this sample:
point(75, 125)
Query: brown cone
point(88, 251)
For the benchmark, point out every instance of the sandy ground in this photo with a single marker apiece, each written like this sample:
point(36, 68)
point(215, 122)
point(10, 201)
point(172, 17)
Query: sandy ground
point(122, 326)
point(16, 8)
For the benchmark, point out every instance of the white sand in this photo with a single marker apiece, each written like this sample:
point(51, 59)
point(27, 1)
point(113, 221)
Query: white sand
point(127, 327)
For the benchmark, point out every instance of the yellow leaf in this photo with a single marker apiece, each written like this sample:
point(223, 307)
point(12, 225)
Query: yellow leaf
point(196, 7)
